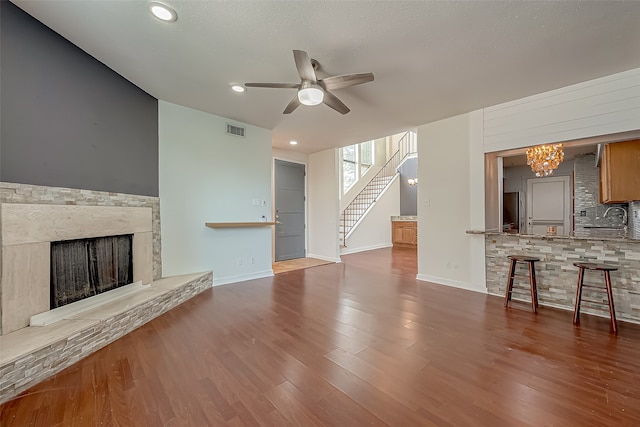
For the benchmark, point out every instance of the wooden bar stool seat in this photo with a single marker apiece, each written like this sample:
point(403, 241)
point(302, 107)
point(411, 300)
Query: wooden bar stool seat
point(530, 260)
point(606, 269)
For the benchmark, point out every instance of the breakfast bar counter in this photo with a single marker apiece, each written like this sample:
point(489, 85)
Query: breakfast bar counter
point(555, 273)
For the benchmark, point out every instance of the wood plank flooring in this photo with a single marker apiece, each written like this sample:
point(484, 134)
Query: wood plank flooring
point(361, 343)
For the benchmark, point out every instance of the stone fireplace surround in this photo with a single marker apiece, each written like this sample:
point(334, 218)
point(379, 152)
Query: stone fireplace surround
point(32, 354)
point(27, 233)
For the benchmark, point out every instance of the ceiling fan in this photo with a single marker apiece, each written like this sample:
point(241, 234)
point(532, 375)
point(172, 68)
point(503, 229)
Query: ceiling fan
point(313, 91)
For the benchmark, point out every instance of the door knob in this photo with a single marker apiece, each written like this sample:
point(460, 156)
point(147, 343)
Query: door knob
point(278, 222)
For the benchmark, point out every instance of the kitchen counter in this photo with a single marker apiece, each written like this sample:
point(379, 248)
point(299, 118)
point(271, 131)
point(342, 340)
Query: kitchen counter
point(594, 234)
point(404, 218)
point(556, 275)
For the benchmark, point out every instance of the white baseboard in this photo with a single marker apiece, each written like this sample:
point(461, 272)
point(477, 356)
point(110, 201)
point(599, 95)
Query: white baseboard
point(348, 250)
point(241, 277)
point(324, 258)
point(452, 283)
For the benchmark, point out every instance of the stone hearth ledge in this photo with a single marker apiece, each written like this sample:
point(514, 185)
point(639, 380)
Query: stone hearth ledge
point(32, 354)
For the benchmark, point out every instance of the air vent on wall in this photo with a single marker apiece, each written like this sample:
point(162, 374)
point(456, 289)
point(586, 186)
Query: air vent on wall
point(235, 130)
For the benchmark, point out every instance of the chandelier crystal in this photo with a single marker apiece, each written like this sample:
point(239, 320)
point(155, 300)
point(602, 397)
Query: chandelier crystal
point(544, 159)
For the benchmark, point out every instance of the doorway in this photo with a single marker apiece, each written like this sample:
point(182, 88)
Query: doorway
point(289, 207)
point(548, 204)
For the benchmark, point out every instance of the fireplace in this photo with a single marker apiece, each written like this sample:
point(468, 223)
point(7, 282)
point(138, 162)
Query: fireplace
point(30, 234)
point(84, 268)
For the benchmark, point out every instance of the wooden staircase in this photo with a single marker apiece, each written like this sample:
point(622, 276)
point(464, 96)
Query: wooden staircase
point(357, 209)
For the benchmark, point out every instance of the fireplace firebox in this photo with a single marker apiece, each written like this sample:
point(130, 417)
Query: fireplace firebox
point(86, 267)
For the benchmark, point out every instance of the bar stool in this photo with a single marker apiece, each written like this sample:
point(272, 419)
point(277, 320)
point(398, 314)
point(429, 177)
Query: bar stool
point(532, 279)
point(606, 269)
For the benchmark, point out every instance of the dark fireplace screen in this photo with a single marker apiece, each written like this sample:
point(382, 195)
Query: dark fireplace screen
point(86, 267)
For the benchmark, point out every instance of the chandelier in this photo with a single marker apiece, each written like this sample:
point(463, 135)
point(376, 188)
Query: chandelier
point(543, 159)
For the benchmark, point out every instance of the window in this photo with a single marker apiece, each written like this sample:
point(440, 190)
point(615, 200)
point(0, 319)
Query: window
point(356, 161)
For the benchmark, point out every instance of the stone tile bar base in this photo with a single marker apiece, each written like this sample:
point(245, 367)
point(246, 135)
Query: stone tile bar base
point(557, 277)
point(33, 354)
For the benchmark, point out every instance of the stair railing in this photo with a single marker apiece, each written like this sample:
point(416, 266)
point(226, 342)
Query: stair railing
point(369, 194)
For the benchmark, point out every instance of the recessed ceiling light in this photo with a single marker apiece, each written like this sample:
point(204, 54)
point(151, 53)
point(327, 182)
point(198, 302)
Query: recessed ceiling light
point(293, 142)
point(238, 88)
point(163, 12)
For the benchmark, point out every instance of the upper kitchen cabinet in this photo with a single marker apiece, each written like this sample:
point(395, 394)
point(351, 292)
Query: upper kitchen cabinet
point(620, 172)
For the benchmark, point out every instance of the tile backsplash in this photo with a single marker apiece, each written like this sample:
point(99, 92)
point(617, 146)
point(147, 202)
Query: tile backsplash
point(587, 207)
point(634, 220)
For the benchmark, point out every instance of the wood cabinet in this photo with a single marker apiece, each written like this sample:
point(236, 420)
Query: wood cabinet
point(620, 172)
point(404, 233)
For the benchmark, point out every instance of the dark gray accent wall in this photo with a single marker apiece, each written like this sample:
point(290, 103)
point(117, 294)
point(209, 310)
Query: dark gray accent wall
point(408, 193)
point(67, 120)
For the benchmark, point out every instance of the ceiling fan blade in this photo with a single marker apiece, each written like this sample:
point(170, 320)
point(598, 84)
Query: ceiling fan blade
point(295, 102)
point(332, 101)
point(275, 85)
point(303, 64)
point(338, 82)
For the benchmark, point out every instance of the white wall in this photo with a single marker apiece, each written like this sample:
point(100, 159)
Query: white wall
point(451, 201)
point(209, 176)
point(601, 106)
point(323, 203)
point(290, 156)
point(374, 230)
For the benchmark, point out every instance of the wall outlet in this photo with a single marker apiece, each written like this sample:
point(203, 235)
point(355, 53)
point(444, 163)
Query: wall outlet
point(239, 261)
point(583, 213)
point(251, 260)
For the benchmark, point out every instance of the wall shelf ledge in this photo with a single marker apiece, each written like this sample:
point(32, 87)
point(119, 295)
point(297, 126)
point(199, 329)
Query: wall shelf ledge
point(237, 224)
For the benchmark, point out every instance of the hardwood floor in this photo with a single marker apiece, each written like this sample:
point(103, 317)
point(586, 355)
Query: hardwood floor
point(352, 344)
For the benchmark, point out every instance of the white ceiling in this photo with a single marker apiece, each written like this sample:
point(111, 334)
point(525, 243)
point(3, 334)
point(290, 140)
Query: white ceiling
point(431, 60)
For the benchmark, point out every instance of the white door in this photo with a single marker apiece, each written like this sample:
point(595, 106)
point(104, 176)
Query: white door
point(548, 204)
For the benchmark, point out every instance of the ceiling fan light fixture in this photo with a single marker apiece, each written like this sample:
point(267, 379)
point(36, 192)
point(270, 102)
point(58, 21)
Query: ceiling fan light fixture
point(310, 94)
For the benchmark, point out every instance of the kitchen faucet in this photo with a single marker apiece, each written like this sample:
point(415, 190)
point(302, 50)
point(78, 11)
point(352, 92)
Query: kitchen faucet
point(624, 214)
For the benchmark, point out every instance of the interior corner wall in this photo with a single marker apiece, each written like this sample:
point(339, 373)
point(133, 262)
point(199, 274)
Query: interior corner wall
point(324, 204)
point(374, 229)
point(448, 207)
point(67, 119)
point(207, 175)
